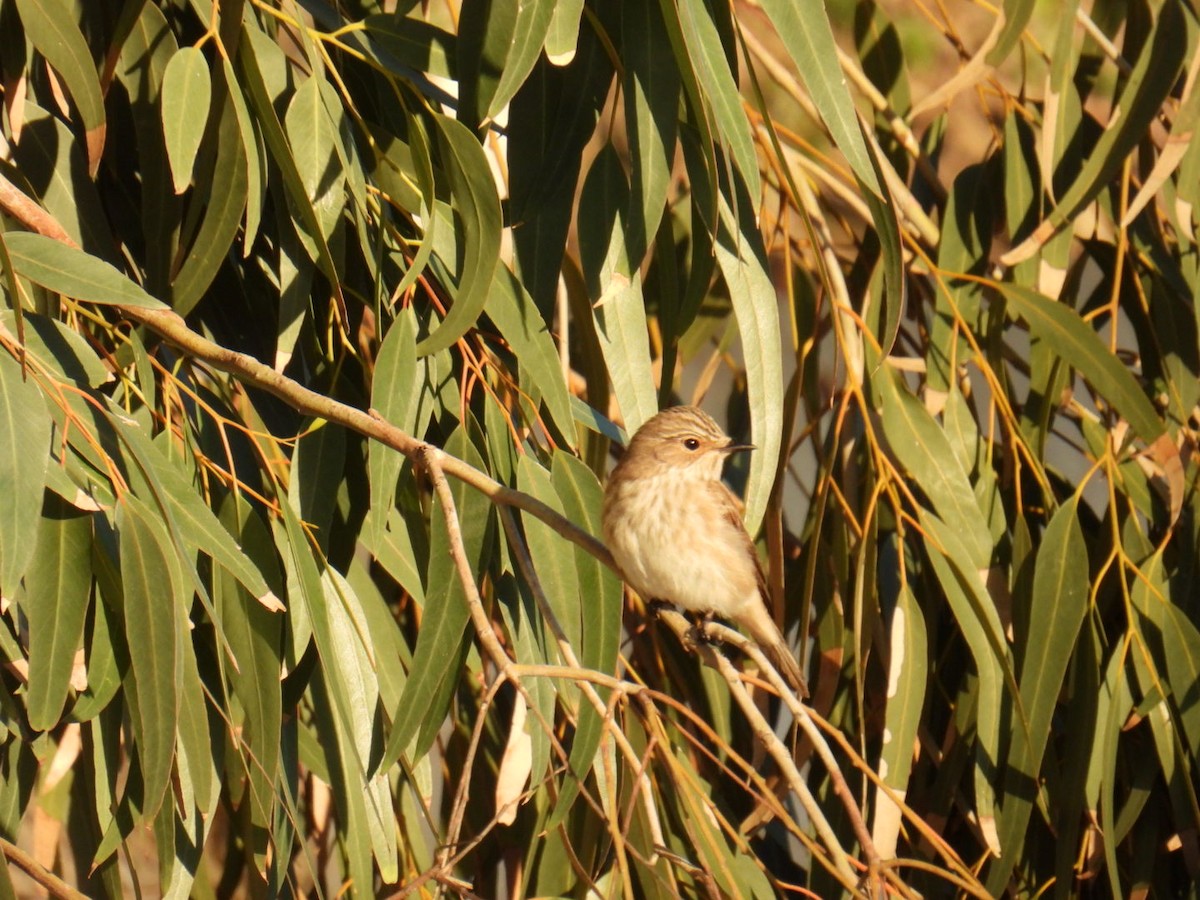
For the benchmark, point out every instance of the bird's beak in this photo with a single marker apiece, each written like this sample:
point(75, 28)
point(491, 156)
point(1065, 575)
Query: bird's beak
point(732, 448)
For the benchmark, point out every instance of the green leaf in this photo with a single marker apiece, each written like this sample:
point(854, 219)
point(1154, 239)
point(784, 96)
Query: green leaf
point(58, 588)
point(185, 100)
point(200, 531)
point(256, 164)
point(51, 26)
point(554, 566)
point(980, 626)
point(1059, 601)
point(563, 34)
point(742, 259)
point(894, 297)
point(651, 89)
point(254, 58)
point(907, 681)
point(224, 188)
point(104, 669)
point(392, 546)
point(804, 30)
point(51, 162)
point(401, 393)
point(1016, 16)
point(348, 657)
point(312, 137)
point(145, 55)
point(529, 32)
point(59, 348)
point(151, 629)
point(718, 90)
point(195, 759)
point(1181, 647)
point(924, 452)
point(318, 468)
point(477, 209)
point(1075, 341)
point(256, 639)
point(615, 287)
point(512, 310)
point(72, 272)
point(414, 43)
point(550, 121)
point(7, 891)
point(25, 430)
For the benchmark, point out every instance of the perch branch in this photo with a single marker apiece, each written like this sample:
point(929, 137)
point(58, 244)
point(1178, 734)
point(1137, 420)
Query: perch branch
point(767, 738)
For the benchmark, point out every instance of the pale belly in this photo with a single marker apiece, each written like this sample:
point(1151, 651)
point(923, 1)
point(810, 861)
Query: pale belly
point(683, 553)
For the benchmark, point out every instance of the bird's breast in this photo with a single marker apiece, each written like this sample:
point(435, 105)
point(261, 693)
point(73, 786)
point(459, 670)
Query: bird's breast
point(672, 541)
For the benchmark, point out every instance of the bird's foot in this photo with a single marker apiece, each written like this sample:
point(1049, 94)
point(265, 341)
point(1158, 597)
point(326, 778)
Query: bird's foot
point(700, 633)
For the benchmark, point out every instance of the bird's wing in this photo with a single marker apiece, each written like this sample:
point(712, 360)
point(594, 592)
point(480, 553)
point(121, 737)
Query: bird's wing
point(731, 508)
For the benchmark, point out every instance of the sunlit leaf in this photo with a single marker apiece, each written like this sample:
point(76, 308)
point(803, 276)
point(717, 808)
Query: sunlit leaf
point(51, 26)
point(924, 451)
point(186, 97)
point(805, 32)
point(72, 272)
point(908, 669)
point(478, 213)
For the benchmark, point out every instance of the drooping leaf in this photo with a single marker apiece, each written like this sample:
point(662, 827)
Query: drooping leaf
point(718, 91)
point(25, 429)
point(530, 28)
point(256, 638)
point(72, 272)
point(514, 313)
point(1059, 602)
point(477, 209)
point(742, 261)
point(908, 669)
point(57, 593)
point(924, 451)
point(225, 185)
point(651, 91)
point(806, 33)
point(151, 617)
point(615, 289)
point(51, 26)
point(185, 101)
point(1149, 84)
point(600, 606)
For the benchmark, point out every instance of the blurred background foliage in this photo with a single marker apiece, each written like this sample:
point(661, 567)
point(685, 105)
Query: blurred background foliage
point(937, 261)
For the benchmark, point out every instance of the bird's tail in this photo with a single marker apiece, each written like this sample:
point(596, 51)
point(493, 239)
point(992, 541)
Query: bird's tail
point(766, 635)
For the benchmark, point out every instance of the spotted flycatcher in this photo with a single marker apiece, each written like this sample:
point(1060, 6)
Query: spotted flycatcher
point(676, 532)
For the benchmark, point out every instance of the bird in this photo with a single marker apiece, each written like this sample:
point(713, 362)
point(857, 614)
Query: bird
point(676, 533)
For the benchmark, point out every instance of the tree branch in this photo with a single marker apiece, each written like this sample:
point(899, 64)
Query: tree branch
point(35, 870)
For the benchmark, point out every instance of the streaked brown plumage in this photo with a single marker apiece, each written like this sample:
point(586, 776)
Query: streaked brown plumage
point(676, 532)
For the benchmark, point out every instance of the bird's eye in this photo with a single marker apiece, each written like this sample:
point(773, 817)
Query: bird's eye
point(691, 443)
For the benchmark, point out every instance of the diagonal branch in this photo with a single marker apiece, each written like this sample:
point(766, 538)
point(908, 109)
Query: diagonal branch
point(174, 330)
